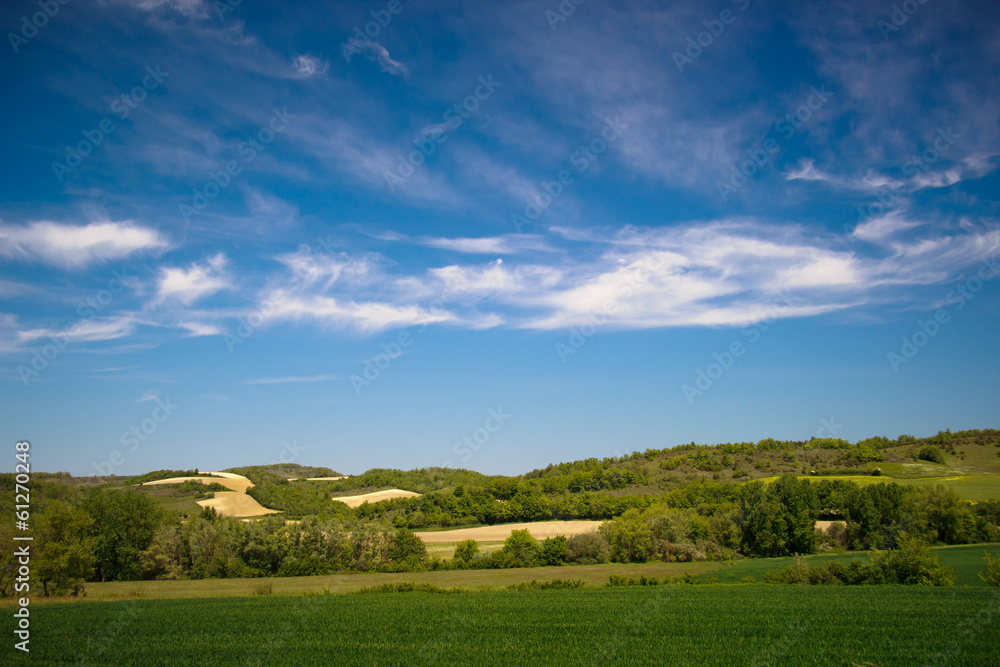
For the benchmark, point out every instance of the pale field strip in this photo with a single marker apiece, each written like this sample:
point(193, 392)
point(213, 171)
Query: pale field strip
point(317, 479)
point(539, 530)
point(229, 503)
point(374, 497)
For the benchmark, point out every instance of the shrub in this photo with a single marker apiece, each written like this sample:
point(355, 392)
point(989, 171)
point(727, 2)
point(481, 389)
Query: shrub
point(991, 575)
point(911, 563)
point(466, 551)
point(930, 453)
point(409, 587)
point(588, 549)
point(554, 550)
point(519, 550)
point(263, 589)
point(535, 585)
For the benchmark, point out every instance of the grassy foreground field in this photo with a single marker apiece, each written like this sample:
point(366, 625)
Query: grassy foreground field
point(675, 625)
point(966, 561)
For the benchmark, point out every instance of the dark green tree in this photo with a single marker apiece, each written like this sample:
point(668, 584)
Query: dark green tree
point(123, 527)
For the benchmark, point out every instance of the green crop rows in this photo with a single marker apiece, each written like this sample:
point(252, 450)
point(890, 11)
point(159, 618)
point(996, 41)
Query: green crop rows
point(675, 625)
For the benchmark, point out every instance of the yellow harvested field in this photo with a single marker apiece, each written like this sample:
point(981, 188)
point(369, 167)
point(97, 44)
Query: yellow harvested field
point(317, 479)
point(825, 525)
point(234, 503)
point(358, 501)
point(230, 503)
point(539, 530)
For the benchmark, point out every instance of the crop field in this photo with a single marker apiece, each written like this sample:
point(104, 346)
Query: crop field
point(675, 625)
point(591, 575)
point(965, 560)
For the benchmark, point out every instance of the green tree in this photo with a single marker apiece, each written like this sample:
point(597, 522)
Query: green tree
point(64, 558)
point(406, 547)
point(164, 558)
point(629, 537)
point(124, 525)
point(780, 519)
point(466, 551)
point(519, 550)
point(991, 575)
point(554, 550)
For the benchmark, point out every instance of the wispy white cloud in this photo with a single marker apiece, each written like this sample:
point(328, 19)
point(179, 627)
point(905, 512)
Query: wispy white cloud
point(365, 317)
point(90, 330)
point(509, 244)
point(304, 67)
point(199, 280)
point(196, 329)
point(147, 396)
point(77, 246)
point(380, 55)
point(323, 270)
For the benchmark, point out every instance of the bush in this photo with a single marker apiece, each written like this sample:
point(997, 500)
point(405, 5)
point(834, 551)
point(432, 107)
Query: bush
point(991, 575)
point(930, 453)
point(911, 563)
point(554, 550)
point(409, 587)
point(588, 549)
point(466, 551)
point(535, 585)
point(519, 550)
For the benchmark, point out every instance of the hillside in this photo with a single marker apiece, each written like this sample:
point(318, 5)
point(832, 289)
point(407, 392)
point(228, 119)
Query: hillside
point(966, 461)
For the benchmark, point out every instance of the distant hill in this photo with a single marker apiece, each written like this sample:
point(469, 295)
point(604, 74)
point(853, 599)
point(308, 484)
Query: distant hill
point(288, 470)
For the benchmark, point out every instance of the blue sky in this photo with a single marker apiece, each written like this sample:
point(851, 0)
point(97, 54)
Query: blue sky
point(491, 235)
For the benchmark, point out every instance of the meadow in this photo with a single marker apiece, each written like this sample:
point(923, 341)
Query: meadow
point(965, 560)
point(676, 625)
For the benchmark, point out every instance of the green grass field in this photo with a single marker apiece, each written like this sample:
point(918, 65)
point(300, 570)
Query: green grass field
point(965, 560)
point(674, 625)
point(591, 575)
